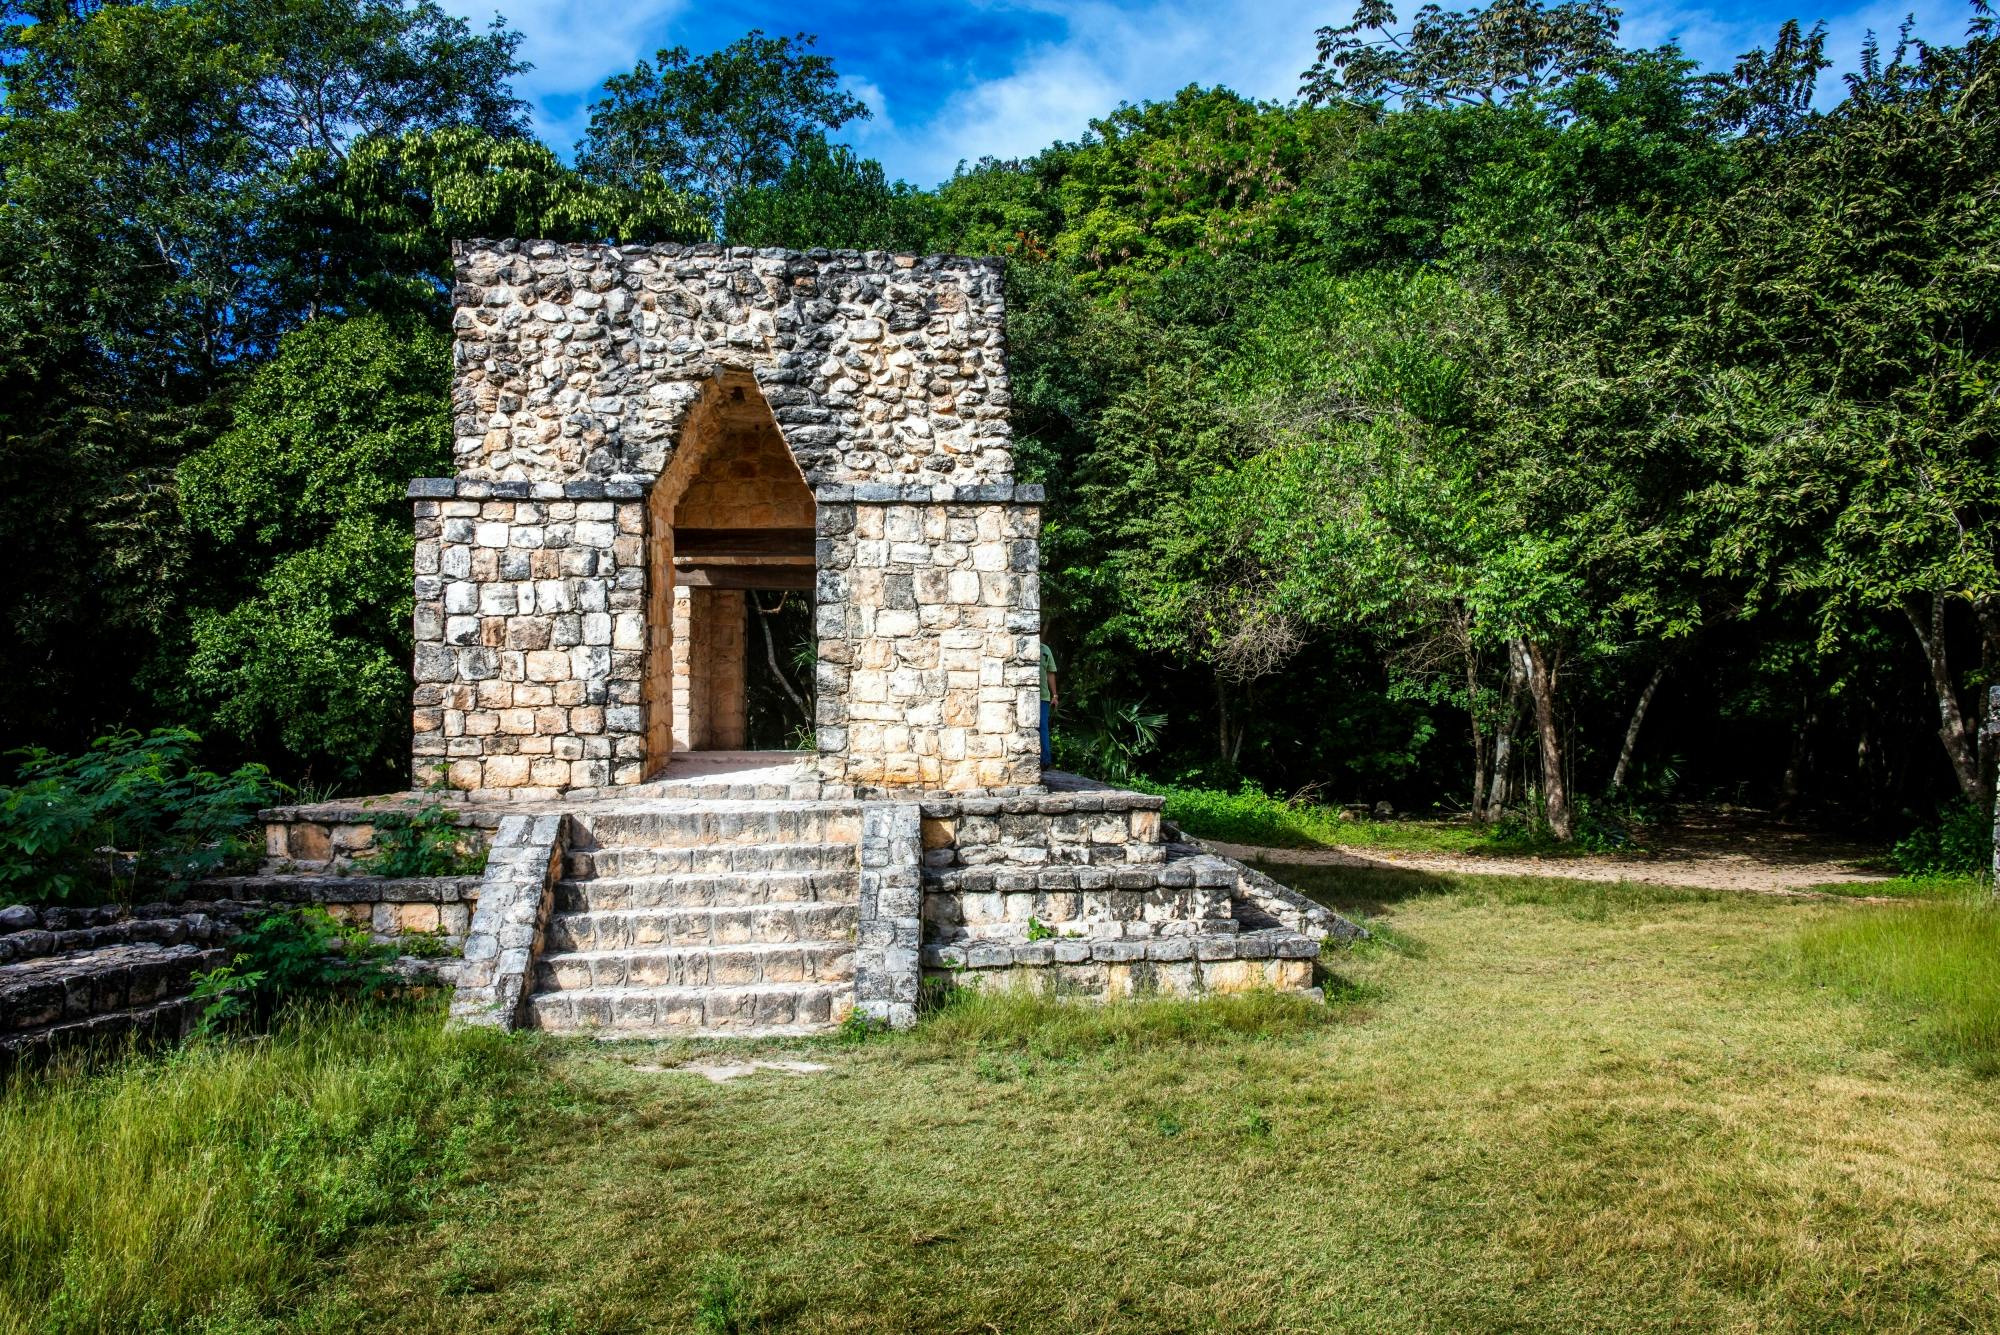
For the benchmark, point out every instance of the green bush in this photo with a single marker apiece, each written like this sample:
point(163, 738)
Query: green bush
point(1934, 967)
point(1250, 816)
point(130, 812)
point(304, 954)
point(429, 843)
point(302, 648)
point(1959, 843)
point(214, 1179)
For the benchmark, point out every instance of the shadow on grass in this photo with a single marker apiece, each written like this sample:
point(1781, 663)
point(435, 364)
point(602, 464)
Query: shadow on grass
point(1045, 1024)
point(1362, 891)
point(1366, 892)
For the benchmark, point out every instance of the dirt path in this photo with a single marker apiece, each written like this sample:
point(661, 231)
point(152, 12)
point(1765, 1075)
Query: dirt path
point(1719, 852)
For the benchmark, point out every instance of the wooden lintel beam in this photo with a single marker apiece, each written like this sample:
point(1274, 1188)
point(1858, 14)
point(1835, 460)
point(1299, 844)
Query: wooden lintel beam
point(789, 578)
point(700, 542)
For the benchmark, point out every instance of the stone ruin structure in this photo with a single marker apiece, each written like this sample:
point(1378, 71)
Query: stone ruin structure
point(647, 435)
point(644, 436)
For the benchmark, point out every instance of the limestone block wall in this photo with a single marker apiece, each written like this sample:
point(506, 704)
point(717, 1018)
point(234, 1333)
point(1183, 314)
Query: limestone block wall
point(1084, 865)
point(929, 619)
point(531, 629)
point(530, 635)
point(582, 360)
point(606, 395)
point(752, 484)
point(709, 627)
point(339, 837)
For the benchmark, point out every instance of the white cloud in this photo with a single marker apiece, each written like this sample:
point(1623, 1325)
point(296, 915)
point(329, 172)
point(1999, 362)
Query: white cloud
point(880, 123)
point(1103, 53)
point(1110, 54)
point(575, 45)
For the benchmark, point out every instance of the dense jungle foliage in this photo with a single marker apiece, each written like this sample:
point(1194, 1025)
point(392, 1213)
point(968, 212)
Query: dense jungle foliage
point(1516, 422)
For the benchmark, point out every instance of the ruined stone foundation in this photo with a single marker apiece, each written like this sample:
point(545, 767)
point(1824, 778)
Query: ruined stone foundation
point(744, 900)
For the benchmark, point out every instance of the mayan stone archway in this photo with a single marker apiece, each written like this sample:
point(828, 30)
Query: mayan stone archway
point(731, 515)
point(642, 433)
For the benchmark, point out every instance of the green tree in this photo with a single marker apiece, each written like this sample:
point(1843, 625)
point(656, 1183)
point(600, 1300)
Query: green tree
point(145, 147)
point(1856, 295)
point(149, 159)
point(828, 196)
point(719, 124)
point(335, 71)
point(1509, 51)
point(372, 228)
point(308, 653)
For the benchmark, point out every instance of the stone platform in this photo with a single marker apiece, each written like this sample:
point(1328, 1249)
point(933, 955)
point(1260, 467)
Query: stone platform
point(736, 895)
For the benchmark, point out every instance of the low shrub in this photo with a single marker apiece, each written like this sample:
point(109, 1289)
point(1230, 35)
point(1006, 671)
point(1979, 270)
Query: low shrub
point(429, 843)
point(159, 1191)
point(133, 811)
point(1958, 843)
point(1251, 816)
point(1934, 966)
point(725, 1301)
point(304, 955)
point(1594, 828)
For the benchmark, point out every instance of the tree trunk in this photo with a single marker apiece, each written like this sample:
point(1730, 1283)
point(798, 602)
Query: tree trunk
point(1478, 738)
point(1993, 724)
point(1623, 769)
point(1792, 786)
point(1503, 741)
point(1222, 751)
point(771, 656)
point(1987, 722)
point(1959, 745)
point(1542, 689)
point(1242, 728)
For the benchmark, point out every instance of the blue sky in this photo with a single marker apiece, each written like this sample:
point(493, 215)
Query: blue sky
point(952, 82)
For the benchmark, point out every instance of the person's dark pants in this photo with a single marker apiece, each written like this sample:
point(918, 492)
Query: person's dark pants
point(1048, 752)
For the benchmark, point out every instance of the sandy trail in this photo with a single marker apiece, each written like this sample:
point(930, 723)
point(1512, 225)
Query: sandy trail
point(1712, 852)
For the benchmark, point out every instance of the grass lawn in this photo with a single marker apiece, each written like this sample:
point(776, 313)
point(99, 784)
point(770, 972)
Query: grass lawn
point(1251, 817)
point(1540, 1106)
point(1935, 887)
point(1534, 1105)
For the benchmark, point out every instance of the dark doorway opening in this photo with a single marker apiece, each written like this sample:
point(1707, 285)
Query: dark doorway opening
point(780, 652)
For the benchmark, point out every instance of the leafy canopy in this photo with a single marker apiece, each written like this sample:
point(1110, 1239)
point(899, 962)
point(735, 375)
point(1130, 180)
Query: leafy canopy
point(719, 124)
point(1507, 52)
point(308, 649)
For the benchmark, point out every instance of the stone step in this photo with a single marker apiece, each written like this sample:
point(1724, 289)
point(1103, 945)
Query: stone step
point(157, 1021)
point(696, 966)
point(705, 824)
point(664, 1012)
point(1209, 947)
point(622, 929)
point(728, 890)
point(622, 862)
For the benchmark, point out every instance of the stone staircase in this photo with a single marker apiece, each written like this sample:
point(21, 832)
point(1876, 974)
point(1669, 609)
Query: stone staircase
point(713, 917)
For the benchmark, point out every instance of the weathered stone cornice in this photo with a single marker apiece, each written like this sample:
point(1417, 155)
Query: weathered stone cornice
point(634, 488)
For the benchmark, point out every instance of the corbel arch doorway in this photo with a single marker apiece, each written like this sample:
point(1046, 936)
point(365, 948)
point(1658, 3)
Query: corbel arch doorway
point(730, 528)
